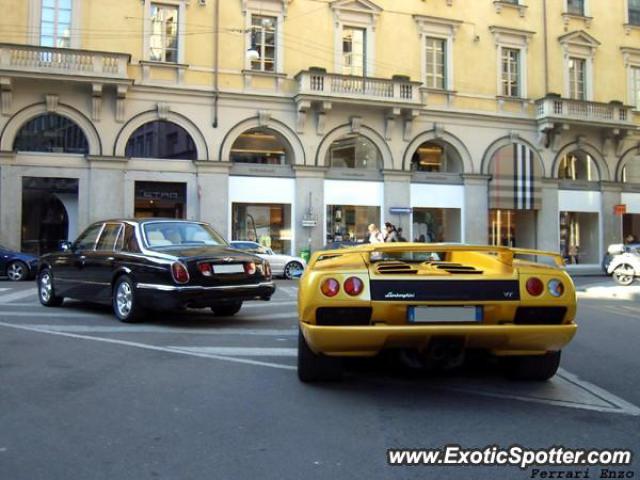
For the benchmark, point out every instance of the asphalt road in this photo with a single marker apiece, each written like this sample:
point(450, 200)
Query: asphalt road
point(192, 396)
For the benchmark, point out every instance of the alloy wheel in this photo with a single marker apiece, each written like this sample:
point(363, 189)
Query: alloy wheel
point(46, 288)
point(16, 271)
point(124, 299)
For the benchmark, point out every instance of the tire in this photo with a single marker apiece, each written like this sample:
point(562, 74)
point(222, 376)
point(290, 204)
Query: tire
point(17, 271)
point(290, 268)
point(226, 309)
point(314, 367)
point(624, 274)
point(46, 290)
point(533, 367)
point(124, 301)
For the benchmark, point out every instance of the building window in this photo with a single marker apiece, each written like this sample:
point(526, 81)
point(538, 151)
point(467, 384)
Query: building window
point(436, 225)
point(634, 12)
point(579, 232)
point(163, 40)
point(348, 223)
point(354, 151)
point(263, 42)
point(55, 25)
point(262, 146)
point(161, 199)
point(51, 133)
point(354, 51)
point(577, 78)
point(578, 166)
point(635, 87)
point(266, 223)
point(436, 63)
point(576, 7)
point(511, 72)
point(161, 139)
point(436, 157)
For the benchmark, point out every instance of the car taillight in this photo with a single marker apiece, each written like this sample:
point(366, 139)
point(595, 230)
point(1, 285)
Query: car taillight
point(556, 288)
point(534, 286)
point(205, 269)
point(250, 268)
point(179, 272)
point(330, 287)
point(353, 286)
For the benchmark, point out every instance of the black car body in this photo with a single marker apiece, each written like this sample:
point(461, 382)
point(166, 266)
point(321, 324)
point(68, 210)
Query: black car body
point(153, 264)
point(17, 265)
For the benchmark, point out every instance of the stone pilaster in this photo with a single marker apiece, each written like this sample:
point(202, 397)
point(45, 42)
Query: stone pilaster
point(476, 208)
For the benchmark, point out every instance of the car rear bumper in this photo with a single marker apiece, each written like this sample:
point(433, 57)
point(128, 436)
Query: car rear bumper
point(499, 339)
point(158, 296)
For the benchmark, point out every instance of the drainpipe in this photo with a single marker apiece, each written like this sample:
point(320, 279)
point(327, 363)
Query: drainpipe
point(216, 60)
point(546, 48)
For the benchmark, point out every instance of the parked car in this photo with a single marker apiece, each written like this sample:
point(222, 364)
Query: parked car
point(282, 265)
point(17, 266)
point(616, 249)
point(431, 302)
point(624, 265)
point(143, 264)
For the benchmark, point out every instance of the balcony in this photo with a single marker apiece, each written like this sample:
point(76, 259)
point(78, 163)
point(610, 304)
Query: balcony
point(318, 85)
point(553, 110)
point(63, 63)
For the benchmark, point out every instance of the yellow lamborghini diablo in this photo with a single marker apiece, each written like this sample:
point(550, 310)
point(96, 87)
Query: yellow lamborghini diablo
point(436, 301)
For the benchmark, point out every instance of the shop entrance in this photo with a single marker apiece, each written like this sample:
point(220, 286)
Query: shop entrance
point(160, 199)
point(49, 213)
point(434, 225)
point(268, 224)
point(512, 228)
point(631, 227)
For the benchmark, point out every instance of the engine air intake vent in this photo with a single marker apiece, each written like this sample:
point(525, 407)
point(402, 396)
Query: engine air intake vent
point(456, 268)
point(391, 268)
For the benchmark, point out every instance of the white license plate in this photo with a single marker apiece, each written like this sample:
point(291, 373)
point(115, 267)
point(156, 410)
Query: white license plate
point(444, 314)
point(233, 268)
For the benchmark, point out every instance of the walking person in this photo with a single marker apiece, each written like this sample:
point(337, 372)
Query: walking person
point(375, 235)
point(392, 233)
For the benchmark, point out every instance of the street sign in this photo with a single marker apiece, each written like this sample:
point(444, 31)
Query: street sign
point(620, 209)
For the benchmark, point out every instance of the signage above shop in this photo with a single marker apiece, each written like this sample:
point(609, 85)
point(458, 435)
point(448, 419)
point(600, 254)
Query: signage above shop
point(620, 209)
point(309, 223)
point(400, 210)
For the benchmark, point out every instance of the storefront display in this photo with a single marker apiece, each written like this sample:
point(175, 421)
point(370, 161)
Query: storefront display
point(267, 224)
point(349, 222)
point(579, 237)
point(512, 228)
point(436, 225)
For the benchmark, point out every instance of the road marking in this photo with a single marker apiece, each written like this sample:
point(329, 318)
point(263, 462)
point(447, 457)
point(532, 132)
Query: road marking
point(242, 351)
point(18, 295)
point(288, 332)
point(245, 305)
point(4, 289)
point(239, 318)
point(289, 291)
point(145, 346)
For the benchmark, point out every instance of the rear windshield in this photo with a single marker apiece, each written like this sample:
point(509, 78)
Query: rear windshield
point(172, 234)
point(409, 257)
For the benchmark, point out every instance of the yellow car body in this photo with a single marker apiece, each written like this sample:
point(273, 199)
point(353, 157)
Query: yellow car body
point(411, 293)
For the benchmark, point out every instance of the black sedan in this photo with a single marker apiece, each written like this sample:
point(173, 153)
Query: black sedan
point(17, 266)
point(144, 264)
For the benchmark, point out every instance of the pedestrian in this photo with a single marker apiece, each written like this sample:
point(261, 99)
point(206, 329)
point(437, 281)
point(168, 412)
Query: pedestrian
point(392, 234)
point(401, 237)
point(375, 235)
point(630, 239)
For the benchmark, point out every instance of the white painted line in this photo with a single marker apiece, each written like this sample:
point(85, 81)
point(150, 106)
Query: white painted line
point(166, 329)
point(150, 347)
point(268, 304)
point(75, 314)
point(4, 289)
point(242, 351)
point(18, 295)
point(289, 291)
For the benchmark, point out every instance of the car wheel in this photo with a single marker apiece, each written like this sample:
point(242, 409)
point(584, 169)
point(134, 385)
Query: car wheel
point(623, 274)
point(17, 271)
point(533, 367)
point(291, 268)
point(314, 367)
point(227, 309)
point(46, 291)
point(125, 304)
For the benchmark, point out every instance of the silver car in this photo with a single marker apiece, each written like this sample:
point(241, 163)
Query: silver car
point(283, 265)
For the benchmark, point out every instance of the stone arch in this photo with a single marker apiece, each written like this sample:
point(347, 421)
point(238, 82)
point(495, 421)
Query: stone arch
point(15, 123)
point(624, 160)
point(153, 115)
point(504, 142)
point(598, 158)
point(369, 133)
point(254, 122)
point(443, 136)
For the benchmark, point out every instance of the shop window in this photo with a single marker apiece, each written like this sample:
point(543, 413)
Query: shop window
point(436, 157)
point(261, 146)
point(579, 232)
point(432, 225)
point(354, 151)
point(578, 166)
point(512, 228)
point(160, 199)
point(349, 223)
point(267, 224)
point(161, 139)
point(51, 133)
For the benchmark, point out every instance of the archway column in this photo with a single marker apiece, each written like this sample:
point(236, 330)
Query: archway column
point(106, 188)
point(476, 208)
point(548, 219)
point(611, 224)
point(213, 195)
point(397, 193)
point(310, 208)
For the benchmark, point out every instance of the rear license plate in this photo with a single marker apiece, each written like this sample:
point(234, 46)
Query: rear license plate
point(233, 268)
point(444, 314)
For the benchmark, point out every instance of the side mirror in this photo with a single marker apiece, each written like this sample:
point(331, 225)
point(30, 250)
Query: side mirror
point(65, 246)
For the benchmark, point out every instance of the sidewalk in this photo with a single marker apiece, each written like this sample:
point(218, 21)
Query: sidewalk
point(605, 288)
